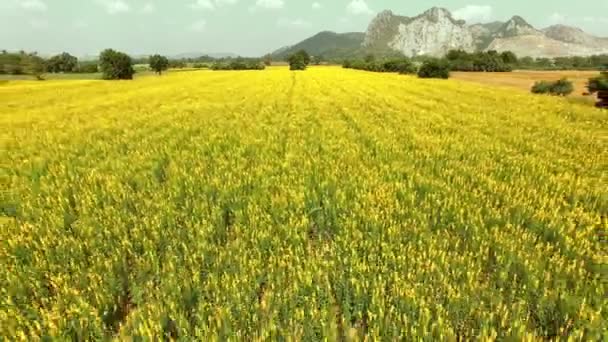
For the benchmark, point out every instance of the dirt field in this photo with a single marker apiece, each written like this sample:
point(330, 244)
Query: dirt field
point(525, 79)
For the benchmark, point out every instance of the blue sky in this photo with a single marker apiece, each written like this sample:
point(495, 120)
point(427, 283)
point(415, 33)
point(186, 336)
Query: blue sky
point(246, 27)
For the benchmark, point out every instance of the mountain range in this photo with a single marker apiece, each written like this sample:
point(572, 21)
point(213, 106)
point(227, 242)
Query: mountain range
point(436, 31)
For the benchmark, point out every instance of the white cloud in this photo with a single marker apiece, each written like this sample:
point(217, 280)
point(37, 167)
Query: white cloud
point(474, 13)
point(316, 6)
point(115, 6)
point(148, 8)
point(557, 18)
point(211, 5)
point(203, 5)
point(293, 23)
point(33, 5)
point(198, 26)
point(358, 7)
point(270, 4)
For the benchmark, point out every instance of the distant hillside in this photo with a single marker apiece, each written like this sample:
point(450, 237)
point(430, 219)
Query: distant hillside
point(436, 31)
point(327, 44)
point(199, 54)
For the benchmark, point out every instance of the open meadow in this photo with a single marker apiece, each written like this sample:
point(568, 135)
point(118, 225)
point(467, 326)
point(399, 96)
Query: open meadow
point(328, 203)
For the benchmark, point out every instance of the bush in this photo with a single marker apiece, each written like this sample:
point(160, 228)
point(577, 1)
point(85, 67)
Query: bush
point(297, 65)
point(239, 64)
point(541, 87)
point(87, 68)
point(299, 60)
point(490, 61)
point(116, 65)
point(159, 63)
point(599, 83)
point(177, 64)
point(435, 68)
point(562, 87)
point(400, 65)
point(34, 65)
point(12, 63)
point(62, 63)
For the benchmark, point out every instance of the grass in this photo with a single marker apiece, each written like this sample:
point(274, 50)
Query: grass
point(328, 203)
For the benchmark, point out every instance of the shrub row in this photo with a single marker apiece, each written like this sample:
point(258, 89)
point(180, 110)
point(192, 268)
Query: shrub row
point(239, 64)
point(400, 65)
point(561, 87)
point(430, 68)
point(599, 85)
point(489, 61)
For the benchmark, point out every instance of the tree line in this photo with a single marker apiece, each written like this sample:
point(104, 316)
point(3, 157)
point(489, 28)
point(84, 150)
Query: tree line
point(118, 65)
point(30, 63)
point(238, 64)
point(112, 64)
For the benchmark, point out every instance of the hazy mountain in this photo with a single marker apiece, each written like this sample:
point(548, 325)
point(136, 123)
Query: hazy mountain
point(516, 26)
point(435, 31)
point(524, 40)
point(573, 35)
point(199, 54)
point(328, 44)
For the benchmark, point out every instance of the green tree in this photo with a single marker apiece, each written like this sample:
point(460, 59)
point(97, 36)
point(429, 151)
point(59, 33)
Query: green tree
point(541, 87)
point(267, 60)
point(508, 57)
point(562, 87)
point(87, 68)
point(11, 63)
point(434, 68)
point(159, 63)
point(299, 60)
point(116, 65)
point(317, 60)
point(33, 65)
point(62, 63)
point(599, 83)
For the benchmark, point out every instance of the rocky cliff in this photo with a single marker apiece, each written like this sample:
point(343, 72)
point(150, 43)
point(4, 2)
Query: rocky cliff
point(435, 32)
point(432, 33)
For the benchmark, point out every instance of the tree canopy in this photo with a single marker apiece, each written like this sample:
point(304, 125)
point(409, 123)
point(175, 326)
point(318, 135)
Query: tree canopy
point(159, 63)
point(62, 63)
point(116, 65)
point(299, 60)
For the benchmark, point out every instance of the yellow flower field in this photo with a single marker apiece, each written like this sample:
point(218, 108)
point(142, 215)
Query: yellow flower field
point(325, 204)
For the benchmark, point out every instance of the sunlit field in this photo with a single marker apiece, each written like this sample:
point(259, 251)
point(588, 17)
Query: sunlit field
point(325, 204)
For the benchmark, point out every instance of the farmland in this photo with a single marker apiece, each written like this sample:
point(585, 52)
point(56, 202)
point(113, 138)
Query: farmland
point(524, 79)
point(328, 203)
